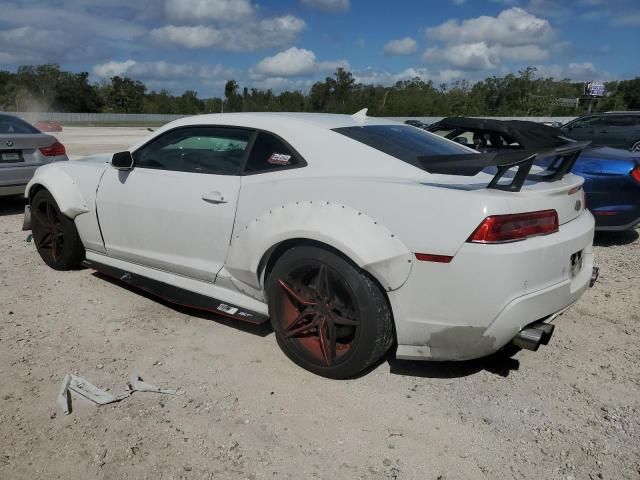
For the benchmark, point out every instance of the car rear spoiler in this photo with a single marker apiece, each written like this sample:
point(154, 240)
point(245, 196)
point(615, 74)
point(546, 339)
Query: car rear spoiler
point(471, 164)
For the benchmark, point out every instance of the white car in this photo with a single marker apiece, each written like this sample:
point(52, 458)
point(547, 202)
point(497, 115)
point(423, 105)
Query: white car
point(350, 233)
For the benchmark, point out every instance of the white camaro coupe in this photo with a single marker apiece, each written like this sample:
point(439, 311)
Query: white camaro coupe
point(350, 233)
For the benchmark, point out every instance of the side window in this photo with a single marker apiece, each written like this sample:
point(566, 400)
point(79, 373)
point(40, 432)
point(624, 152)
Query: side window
point(212, 150)
point(270, 153)
point(588, 122)
point(620, 121)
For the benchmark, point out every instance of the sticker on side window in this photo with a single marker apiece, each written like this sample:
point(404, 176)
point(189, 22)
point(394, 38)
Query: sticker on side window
point(279, 159)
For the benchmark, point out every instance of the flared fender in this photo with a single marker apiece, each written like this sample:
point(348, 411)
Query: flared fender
point(63, 188)
point(361, 238)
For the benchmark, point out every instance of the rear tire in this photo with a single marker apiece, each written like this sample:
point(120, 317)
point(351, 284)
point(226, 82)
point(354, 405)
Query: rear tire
point(635, 147)
point(55, 235)
point(329, 317)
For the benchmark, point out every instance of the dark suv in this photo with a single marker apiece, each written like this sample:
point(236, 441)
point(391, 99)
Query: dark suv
point(611, 129)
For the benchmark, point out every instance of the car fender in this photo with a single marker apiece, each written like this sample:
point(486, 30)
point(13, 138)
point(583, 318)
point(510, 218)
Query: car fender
point(369, 244)
point(62, 186)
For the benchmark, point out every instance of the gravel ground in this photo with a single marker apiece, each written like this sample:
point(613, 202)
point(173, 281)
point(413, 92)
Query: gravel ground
point(569, 411)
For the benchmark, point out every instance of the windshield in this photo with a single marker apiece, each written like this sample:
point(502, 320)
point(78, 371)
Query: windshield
point(403, 142)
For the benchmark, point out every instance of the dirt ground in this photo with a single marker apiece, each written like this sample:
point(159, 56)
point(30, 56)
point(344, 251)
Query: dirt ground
point(569, 411)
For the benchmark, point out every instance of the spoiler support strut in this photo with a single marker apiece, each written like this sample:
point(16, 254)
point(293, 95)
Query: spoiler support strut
point(473, 163)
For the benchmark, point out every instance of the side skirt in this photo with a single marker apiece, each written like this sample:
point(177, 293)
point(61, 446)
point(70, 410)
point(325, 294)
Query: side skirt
point(177, 295)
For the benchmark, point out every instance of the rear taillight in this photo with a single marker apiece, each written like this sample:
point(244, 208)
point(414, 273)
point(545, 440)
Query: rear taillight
point(635, 173)
point(53, 150)
point(519, 226)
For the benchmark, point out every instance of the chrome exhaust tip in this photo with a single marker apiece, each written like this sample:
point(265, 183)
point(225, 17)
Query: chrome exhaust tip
point(534, 335)
point(529, 339)
point(594, 276)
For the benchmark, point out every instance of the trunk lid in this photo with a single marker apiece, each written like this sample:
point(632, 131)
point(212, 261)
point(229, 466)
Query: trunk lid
point(21, 149)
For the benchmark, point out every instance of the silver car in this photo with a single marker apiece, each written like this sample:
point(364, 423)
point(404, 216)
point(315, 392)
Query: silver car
point(23, 148)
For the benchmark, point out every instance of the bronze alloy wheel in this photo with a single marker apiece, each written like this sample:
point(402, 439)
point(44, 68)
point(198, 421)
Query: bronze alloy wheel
point(317, 315)
point(329, 316)
point(54, 235)
point(47, 229)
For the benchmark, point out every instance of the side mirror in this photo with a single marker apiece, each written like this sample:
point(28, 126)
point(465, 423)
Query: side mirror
point(122, 161)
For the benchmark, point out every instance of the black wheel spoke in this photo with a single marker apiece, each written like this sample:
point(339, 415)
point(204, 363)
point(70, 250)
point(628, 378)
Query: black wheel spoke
point(298, 293)
point(45, 240)
point(299, 326)
point(327, 338)
point(345, 320)
point(40, 218)
point(322, 284)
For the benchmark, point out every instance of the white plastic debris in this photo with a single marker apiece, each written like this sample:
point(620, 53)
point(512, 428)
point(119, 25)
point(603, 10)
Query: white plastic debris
point(137, 385)
point(88, 391)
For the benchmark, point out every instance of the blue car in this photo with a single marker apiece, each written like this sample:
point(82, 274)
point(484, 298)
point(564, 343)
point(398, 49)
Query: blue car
point(612, 186)
point(612, 176)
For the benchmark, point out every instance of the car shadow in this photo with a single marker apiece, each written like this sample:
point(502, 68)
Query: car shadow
point(609, 239)
point(261, 330)
point(500, 363)
point(12, 205)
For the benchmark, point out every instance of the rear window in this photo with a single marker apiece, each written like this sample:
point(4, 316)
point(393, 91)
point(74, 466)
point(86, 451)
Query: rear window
point(11, 124)
point(403, 142)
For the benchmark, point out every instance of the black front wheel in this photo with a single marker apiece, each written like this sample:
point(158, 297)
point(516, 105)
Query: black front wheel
point(329, 317)
point(55, 236)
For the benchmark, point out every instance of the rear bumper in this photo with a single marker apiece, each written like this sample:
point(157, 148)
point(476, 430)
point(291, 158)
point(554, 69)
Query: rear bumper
point(479, 302)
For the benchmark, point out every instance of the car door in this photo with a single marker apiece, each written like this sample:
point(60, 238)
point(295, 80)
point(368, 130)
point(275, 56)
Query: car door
point(618, 130)
point(174, 210)
point(585, 128)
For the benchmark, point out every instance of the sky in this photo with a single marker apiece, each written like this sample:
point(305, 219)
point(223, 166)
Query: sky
point(290, 44)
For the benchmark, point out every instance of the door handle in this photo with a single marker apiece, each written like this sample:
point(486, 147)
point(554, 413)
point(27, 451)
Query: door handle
point(214, 197)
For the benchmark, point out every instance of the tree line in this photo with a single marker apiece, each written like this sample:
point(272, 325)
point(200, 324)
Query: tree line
point(48, 88)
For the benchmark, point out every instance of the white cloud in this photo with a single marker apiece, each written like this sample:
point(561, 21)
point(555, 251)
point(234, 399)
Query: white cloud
point(374, 77)
point(480, 56)
point(254, 35)
point(291, 62)
point(486, 43)
point(549, 8)
point(295, 62)
point(403, 46)
point(331, 6)
point(112, 69)
point(514, 26)
point(631, 18)
point(198, 10)
point(578, 72)
point(36, 32)
point(162, 71)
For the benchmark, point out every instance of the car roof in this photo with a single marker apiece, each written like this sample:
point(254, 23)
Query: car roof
point(327, 121)
point(288, 125)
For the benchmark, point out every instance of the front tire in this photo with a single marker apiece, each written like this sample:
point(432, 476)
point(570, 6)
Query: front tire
point(55, 235)
point(329, 317)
